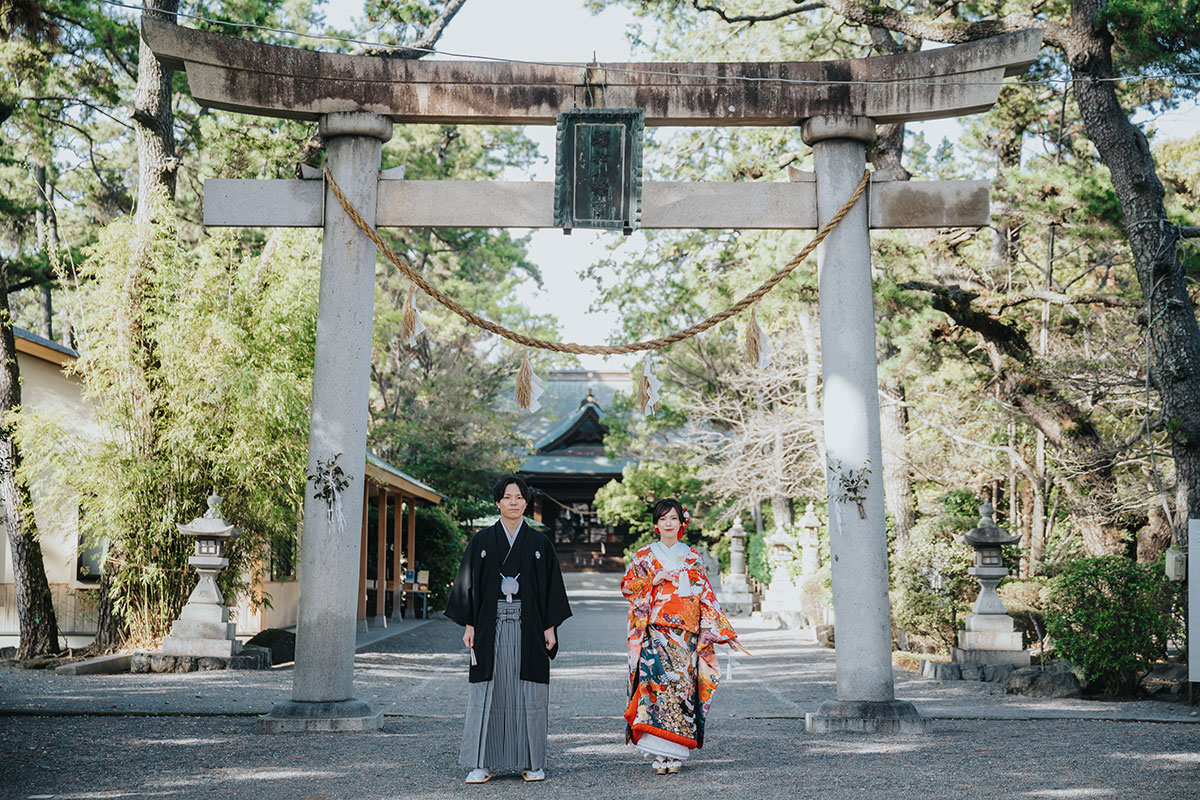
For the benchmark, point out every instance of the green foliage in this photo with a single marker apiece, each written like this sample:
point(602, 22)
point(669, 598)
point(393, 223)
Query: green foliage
point(210, 394)
point(438, 407)
point(1161, 34)
point(630, 500)
point(440, 545)
point(931, 586)
point(1112, 617)
point(758, 557)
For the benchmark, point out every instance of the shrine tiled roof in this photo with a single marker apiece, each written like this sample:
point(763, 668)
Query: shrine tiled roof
point(573, 465)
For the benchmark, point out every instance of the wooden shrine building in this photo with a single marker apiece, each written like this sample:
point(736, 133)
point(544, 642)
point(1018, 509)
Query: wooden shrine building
point(389, 583)
point(566, 470)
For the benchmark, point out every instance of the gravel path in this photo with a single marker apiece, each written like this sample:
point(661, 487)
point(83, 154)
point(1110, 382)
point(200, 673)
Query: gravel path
point(197, 737)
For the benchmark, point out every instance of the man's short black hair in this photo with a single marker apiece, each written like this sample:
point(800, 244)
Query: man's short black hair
point(503, 484)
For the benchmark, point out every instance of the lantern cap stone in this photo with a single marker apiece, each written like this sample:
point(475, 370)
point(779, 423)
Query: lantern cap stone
point(987, 533)
point(212, 525)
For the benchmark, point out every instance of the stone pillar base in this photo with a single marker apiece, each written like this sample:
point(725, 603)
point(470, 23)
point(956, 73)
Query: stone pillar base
point(362, 626)
point(866, 716)
point(379, 621)
point(345, 715)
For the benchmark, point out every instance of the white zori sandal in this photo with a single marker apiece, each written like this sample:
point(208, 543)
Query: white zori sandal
point(478, 776)
point(675, 765)
point(661, 765)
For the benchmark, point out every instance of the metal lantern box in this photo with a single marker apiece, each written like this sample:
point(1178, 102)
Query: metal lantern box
point(598, 172)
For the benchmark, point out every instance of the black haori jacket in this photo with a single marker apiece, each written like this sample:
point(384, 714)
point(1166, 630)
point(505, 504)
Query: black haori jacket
point(543, 598)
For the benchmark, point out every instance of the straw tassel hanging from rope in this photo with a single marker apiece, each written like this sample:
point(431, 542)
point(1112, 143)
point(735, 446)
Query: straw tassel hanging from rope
point(413, 327)
point(648, 386)
point(529, 387)
point(758, 344)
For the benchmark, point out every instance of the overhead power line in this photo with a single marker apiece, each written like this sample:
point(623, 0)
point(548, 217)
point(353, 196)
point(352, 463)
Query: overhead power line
point(628, 70)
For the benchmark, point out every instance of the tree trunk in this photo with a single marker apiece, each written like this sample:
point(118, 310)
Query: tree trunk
point(781, 511)
point(897, 479)
point(810, 328)
point(1028, 501)
point(47, 243)
point(35, 607)
point(154, 121)
point(1173, 332)
point(110, 626)
point(1038, 524)
point(886, 155)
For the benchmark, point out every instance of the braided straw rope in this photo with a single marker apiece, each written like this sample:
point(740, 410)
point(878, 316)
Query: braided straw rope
point(597, 349)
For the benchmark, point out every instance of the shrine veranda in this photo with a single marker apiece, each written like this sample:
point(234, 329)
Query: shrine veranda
point(358, 99)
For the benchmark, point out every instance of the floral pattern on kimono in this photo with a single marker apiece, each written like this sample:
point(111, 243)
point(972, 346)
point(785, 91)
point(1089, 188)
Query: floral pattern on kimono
point(673, 628)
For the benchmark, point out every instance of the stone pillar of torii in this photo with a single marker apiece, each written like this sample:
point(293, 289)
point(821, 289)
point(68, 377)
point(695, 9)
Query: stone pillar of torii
point(357, 99)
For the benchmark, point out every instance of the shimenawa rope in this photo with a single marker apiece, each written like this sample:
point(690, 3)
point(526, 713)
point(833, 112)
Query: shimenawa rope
point(597, 349)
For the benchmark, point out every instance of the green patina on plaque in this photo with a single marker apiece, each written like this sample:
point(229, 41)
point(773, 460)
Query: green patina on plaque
point(598, 172)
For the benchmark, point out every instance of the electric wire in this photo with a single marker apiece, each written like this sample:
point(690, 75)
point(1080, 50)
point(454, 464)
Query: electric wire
point(659, 72)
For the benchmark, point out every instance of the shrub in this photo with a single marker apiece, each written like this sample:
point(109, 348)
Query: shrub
point(1025, 601)
point(440, 545)
point(1112, 617)
point(932, 588)
point(758, 562)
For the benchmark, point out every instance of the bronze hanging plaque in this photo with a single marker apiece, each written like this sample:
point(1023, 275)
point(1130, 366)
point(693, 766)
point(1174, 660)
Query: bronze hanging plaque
point(598, 172)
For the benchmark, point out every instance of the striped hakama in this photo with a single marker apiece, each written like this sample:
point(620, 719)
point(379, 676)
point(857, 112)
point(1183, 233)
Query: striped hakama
point(505, 727)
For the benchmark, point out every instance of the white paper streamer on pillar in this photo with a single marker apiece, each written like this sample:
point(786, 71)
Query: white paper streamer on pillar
point(336, 517)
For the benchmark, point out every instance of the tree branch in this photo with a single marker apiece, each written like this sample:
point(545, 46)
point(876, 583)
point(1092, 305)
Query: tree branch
point(421, 47)
point(948, 32)
point(753, 18)
point(1062, 299)
point(955, 302)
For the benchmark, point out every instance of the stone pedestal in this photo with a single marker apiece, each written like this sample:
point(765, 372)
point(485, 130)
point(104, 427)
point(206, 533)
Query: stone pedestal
point(323, 681)
point(990, 639)
point(203, 628)
point(736, 597)
point(783, 601)
point(857, 529)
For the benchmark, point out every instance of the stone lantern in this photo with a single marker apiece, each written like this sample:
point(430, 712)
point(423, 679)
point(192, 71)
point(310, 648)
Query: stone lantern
point(782, 600)
point(203, 627)
point(736, 596)
point(810, 560)
point(989, 637)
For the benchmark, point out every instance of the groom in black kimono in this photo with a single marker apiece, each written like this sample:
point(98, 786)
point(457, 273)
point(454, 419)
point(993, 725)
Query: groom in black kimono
point(509, 594)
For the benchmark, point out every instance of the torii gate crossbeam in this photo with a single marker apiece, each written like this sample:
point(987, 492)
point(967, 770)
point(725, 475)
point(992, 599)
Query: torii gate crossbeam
point(357, 99)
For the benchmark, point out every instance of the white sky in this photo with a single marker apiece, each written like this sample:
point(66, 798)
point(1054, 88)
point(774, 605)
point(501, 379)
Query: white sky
point(561, 30)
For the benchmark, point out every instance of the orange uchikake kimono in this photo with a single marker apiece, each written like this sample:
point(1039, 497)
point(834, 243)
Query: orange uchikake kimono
point(673, 668)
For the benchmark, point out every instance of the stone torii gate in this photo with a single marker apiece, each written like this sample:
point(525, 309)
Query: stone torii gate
point(357, 99)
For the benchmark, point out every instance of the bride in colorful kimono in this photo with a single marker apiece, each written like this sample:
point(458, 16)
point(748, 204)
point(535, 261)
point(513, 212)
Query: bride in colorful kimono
point(674, 624)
